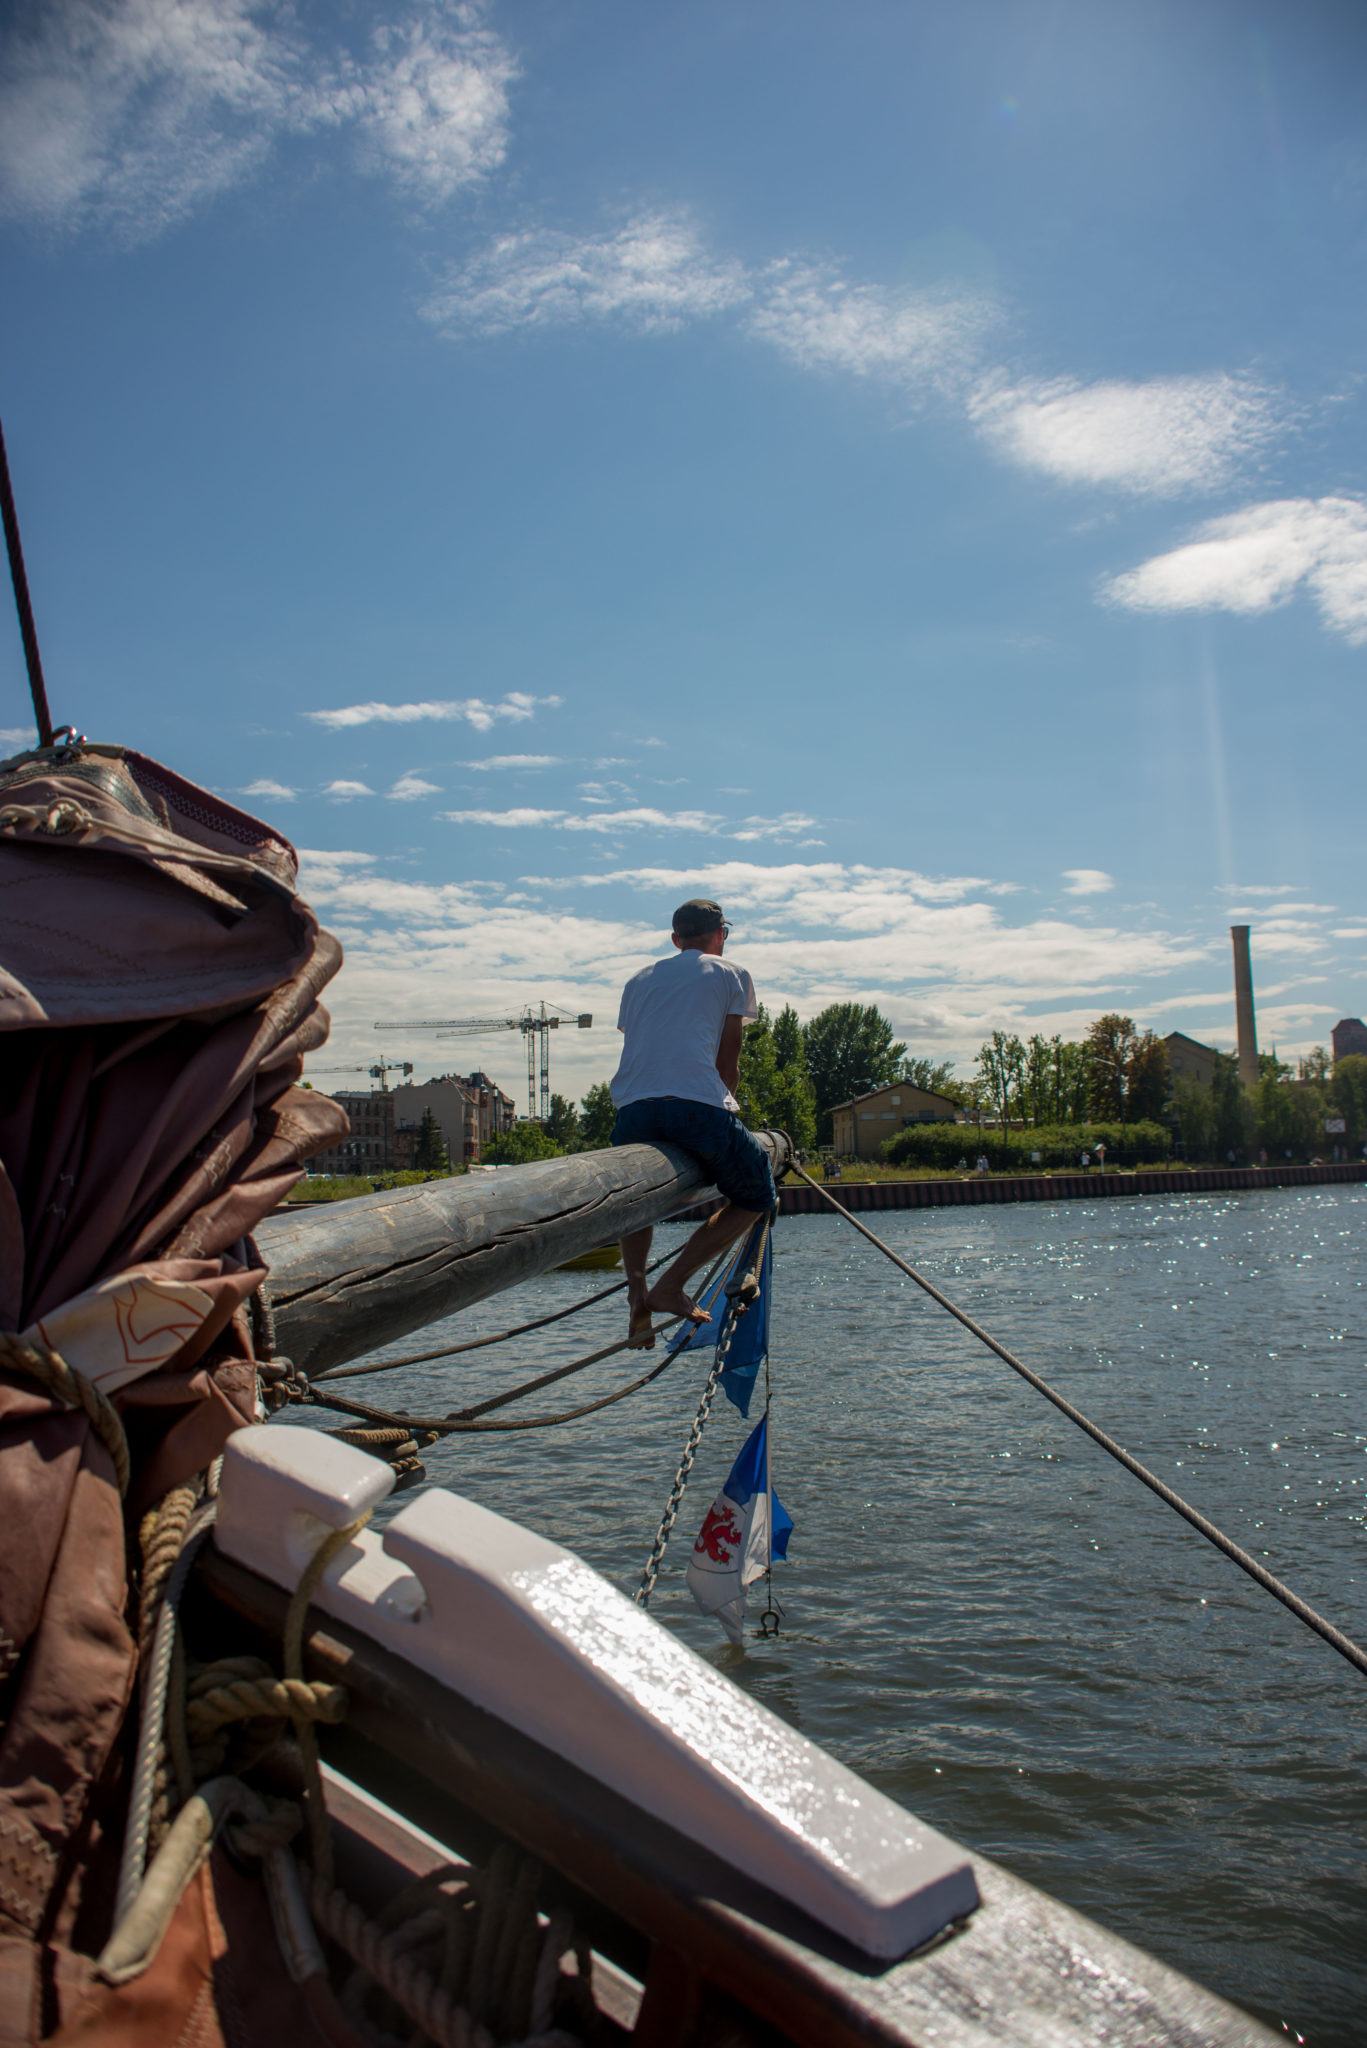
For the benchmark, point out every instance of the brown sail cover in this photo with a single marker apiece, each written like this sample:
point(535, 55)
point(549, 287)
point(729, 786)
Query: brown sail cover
point(159, 987)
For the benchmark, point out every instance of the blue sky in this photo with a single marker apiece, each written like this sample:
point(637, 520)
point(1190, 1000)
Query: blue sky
point(898, 468)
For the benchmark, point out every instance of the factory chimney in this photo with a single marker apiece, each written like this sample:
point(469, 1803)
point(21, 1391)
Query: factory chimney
point(1249, 1072)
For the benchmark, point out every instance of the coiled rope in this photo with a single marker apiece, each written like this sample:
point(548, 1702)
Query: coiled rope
point(38, 1361)
point(1302, 1610)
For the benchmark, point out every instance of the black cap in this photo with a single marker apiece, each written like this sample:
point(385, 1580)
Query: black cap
point(697, 917)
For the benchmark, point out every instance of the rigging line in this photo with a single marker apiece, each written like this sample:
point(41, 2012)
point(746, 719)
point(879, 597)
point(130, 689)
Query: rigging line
point(564, 1414)
point(42, 717)
point(459, 1420)
point(1335, 1637)
point(351, 1372)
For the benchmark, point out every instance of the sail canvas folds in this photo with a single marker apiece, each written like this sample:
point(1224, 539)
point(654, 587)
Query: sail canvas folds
point(159, 987)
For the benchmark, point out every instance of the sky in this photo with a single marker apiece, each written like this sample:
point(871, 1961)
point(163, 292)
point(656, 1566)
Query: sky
point(896, 469)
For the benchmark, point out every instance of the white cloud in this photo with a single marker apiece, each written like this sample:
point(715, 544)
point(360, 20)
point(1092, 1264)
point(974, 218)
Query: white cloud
point(515, 705)
point(642, 816)
point(1255, 889)
point(18, 736)
point(341, 792)
point(791, 825)
point(280, 791)
point(638, 818)
point(410, 787)
point(1167, 435)
point(514, 761)
point(128, 114)
point(433, 104)
point(1087, 881)
point(937, 954)
point(1256, 559)
point(812, 314)
point(653, 273)
point(513, 820)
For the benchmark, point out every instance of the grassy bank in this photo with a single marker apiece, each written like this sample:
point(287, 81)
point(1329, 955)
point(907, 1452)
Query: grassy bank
point(340, 1187)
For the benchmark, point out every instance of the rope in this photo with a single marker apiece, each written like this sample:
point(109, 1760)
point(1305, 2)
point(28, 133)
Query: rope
point(1335, 1638)
point(460, 1421)
point(156, 1678)
point(221, 1702)
point(508, 1969)
point(160, 1536)
point(350, 1372)
point(690, 1449)
point(37, 1361)
point(292, 1657)
point(42, 717)
point(437, 1428)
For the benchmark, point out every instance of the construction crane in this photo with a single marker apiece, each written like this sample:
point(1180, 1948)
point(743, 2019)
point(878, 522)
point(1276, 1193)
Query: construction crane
point(380, 1073)
point(535, 1024)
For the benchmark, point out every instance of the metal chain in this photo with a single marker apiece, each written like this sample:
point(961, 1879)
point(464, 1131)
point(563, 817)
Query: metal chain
point(682, 1476)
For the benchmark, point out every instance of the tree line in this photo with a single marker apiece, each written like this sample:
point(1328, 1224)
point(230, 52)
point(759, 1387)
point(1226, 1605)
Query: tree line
point(1043, 1094)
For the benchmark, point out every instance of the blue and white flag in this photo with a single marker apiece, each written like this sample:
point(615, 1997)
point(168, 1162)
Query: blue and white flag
point(749, 1340)
point(745, 1528)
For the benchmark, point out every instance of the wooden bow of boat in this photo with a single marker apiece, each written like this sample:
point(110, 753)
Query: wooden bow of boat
point(347, 1277)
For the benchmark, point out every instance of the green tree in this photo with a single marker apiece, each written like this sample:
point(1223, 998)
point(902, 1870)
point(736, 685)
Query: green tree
point(1315, 1066)
point(597, 1115)
point(1230, 1110)
point(1110, 1045)
point(1348, 1093)
point(850, 1048)
point(1074, 1080)
point(1288, 1119)
point(519, 1146)
point(789, 1049)
point(563, 1123)
point(430, 1154)
point(757, 1083)
point(772, 1093)
point(1041, 1096)
point(935, 1076)
point(1194, 1111)
point(1147, 1079)
point(1001, 1068)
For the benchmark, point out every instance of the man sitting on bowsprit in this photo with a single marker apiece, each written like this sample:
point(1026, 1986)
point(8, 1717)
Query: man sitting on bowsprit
point(682, 1019)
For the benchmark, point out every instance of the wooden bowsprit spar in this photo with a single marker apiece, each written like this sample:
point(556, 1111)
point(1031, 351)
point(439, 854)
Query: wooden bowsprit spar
point(347, 1277)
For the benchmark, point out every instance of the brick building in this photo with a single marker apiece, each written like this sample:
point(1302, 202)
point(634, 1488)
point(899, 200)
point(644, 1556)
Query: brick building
point(1189, 1060)
point(470, 1108)
point(1350, 1038)
point(385, 1123)
point(370, 1146)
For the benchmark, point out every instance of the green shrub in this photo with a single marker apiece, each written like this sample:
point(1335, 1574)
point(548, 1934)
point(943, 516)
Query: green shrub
point(943, 1145)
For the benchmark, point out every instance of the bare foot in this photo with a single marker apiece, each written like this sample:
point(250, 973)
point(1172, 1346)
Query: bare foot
point(672, 1301)
point(640, 1331)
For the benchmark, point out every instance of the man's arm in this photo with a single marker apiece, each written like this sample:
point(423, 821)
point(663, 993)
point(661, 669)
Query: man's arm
point(728, 1052)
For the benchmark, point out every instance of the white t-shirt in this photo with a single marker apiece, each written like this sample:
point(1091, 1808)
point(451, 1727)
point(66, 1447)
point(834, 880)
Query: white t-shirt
point(672, 1015)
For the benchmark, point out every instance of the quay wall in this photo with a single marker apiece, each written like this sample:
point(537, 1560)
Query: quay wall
point(794, 1199)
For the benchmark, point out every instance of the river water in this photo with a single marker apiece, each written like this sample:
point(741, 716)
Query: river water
point(985, 1615)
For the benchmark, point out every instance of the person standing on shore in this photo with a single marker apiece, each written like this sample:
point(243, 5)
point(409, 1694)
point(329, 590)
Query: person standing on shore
point(682, 1020)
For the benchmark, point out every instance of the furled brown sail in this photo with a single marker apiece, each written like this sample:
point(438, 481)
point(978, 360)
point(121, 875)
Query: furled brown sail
point(159, 987)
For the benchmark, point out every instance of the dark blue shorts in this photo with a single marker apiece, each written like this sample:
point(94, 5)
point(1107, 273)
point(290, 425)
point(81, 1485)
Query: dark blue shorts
point(737, 1161)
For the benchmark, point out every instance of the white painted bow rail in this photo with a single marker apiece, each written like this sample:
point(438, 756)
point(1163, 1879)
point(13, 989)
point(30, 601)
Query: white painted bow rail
point(530, 1633)
point(741, 1878)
